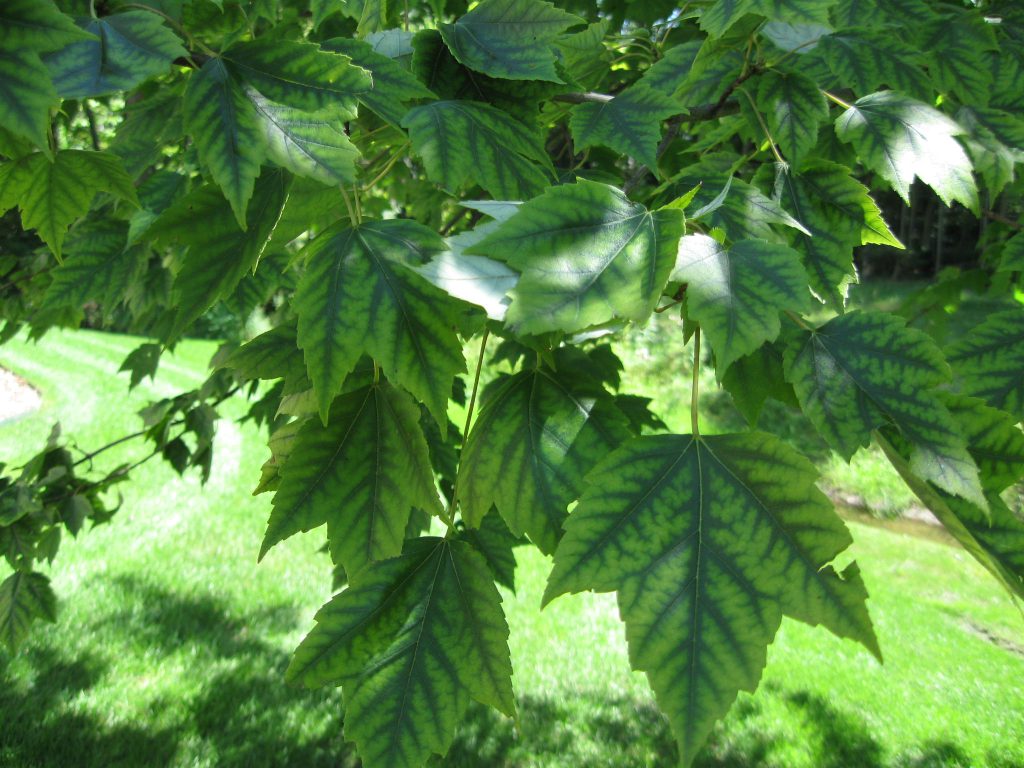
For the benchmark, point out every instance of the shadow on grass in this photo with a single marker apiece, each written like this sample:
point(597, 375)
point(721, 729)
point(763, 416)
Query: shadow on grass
point(241, 713)
point(39, 728)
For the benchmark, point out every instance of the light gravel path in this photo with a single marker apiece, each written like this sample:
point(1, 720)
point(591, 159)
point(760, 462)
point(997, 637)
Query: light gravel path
point(17, 397)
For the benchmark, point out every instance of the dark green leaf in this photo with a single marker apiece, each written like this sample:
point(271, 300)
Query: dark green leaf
point(463, 141)
point(24, 597)
point(708, 542)
point(510, 39)
point(359, 295)
point(36, 25)
point(866, 60)
point(717, 19)
point(26, 95)
point(393, 84)
point(53, 195)
point(839, 214)
point(630, 123)
point(795, 108)
point(989, 361)
point(227, 132)
point(957, 46)
point(538, 433)
point(299, 75)
point(218, 253)
point(141, 362)
point(410, 642)
point(127, 49)
point(862, 370)
point(98, 267)
point(363, 475)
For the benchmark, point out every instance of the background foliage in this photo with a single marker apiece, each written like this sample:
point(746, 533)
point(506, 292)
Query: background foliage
point(374, 185)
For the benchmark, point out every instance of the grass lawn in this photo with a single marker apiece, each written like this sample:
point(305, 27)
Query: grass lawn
point(171, 641)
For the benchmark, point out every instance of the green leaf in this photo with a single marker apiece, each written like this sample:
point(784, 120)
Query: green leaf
point(141, 362)
point(862, 370)
point(736, 293)
point(359, 295)
point(866, 60)
point(511, 39)
point(218, 254)
point(26, 96)
point(839, 214)
point(299, 75)
point(53, 195)
point(539, 432)
point(98, 266)
point(310, 144)
point(24, 597)
point(753, 379)
point(497, 544)
point(1013, 254)
point(957, 45)
point(227, 132)
point(36, 25)
point(708, 542)
point(127, 49)
point(989, 360)
point(393, 84)
point(669, 72)
point(476, 279)
point(587, 255)
point(717, 19)
point(363, 475)
point(795, 108)
point(630, 123)
point(900, 139)
point(410, 642)
point(271, 355)
point(462, 141)
point(739, 209)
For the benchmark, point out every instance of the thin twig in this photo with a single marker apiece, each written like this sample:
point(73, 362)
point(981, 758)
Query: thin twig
point(469, 417)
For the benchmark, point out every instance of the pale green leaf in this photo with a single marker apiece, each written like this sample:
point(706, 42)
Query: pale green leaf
point(510, 39)
point(310, 144)
point(363, 475)
point(902, 139)
point(476, 279)
point(359, 295)
point(587, 255)
point(128, 48)
point(466, 141)
point(708, 542)
point(737, 293)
